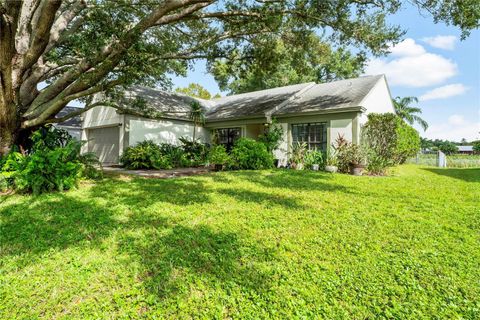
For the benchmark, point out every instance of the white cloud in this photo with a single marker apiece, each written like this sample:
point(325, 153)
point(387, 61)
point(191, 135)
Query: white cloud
point(446, 131)
point(441, 42)
point(415, 71)
point(407, 47)
point(443, 92)
point(413, 66)
point(454, 129)
point(456, 120)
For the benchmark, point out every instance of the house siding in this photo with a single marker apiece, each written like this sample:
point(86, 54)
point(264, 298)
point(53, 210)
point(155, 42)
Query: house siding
point(377, 101)
point(161, 131)
point(337, 123)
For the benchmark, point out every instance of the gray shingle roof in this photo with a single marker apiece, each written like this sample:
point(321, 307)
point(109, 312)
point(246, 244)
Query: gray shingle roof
point(299, 98)
point(251, 104)
point(170, 104)
point(75, 122)
point(333, 95)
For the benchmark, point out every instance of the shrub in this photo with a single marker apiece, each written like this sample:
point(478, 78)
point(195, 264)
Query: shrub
point(49, 170)
point(145, 155)
point(174, 155)
point(388, 141)
point(194, 151)
point(251, 154)
point(49, 138)
point(53, 162)
point(408, 142)
point(218, 155)
point(272, 136)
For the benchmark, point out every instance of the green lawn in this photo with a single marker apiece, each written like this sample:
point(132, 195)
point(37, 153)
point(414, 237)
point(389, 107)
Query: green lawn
point(270, 244)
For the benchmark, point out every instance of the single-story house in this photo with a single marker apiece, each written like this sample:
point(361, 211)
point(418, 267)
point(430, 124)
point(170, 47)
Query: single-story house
point(465, 149)
point(313, 113)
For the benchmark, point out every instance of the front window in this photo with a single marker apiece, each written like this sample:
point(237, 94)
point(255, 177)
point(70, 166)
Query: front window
point(228, 136)
point(313, 134)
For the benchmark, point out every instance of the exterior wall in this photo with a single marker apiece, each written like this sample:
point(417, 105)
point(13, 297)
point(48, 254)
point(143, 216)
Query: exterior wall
point(282, 152)
point(250, 128)
point(101, 117)
point(378, 100)
point(76, 133)
point(345, 124)
point(337, 123)
point(138, 129)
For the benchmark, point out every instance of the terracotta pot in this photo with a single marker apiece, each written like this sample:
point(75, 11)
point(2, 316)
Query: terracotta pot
point(331, 169)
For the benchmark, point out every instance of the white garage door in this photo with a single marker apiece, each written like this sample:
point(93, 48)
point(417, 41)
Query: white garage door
point(104, 143)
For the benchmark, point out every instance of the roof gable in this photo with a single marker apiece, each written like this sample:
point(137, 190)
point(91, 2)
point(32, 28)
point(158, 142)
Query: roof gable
point(335, 95)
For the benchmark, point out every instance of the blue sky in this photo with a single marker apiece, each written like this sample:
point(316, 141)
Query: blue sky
point(431, 64)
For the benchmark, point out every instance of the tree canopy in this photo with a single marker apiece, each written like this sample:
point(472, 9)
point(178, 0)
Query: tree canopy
point(53, 51)
point(408, 113)
point(196, 90)
point(283, 59)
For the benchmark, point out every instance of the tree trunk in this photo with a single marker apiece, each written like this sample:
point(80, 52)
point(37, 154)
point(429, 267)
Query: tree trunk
point(194, 130)
point(9, 127)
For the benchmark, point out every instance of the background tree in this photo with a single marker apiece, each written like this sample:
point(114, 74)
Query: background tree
point(448, 147)
point(197, 115)
point(196, 90)
point(53, 51)
point(476, 146)
point(284, 59)
point(407, 112)
point(426, 144)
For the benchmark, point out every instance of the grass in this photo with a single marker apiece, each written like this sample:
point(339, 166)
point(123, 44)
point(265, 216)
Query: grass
point(463, 161)
point(269, 244)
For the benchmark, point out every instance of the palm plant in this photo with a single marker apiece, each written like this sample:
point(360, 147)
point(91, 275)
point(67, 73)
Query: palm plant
point(197, 115)
point(407, 112)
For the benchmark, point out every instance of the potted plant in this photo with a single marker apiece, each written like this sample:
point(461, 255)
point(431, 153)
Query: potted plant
point(331, 162)
point(272, 137)
point(356, 160)
point(297, 155)
point(314, 159)
point(218, 157)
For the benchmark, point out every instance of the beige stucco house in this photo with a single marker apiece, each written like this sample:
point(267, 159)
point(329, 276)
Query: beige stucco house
point(309, 112)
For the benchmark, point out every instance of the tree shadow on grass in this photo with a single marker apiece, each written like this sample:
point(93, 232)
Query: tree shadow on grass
point(292, 179)
point(214, 257)
point(146, 191)
point(464, 174)
point(30, 225)
point(263, 198)
point(169, 251)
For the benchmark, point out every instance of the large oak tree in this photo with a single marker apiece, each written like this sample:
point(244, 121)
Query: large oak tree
point(54, 51)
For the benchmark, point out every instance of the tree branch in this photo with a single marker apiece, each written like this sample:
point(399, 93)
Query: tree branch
point(40, 28)
point(79, 112)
